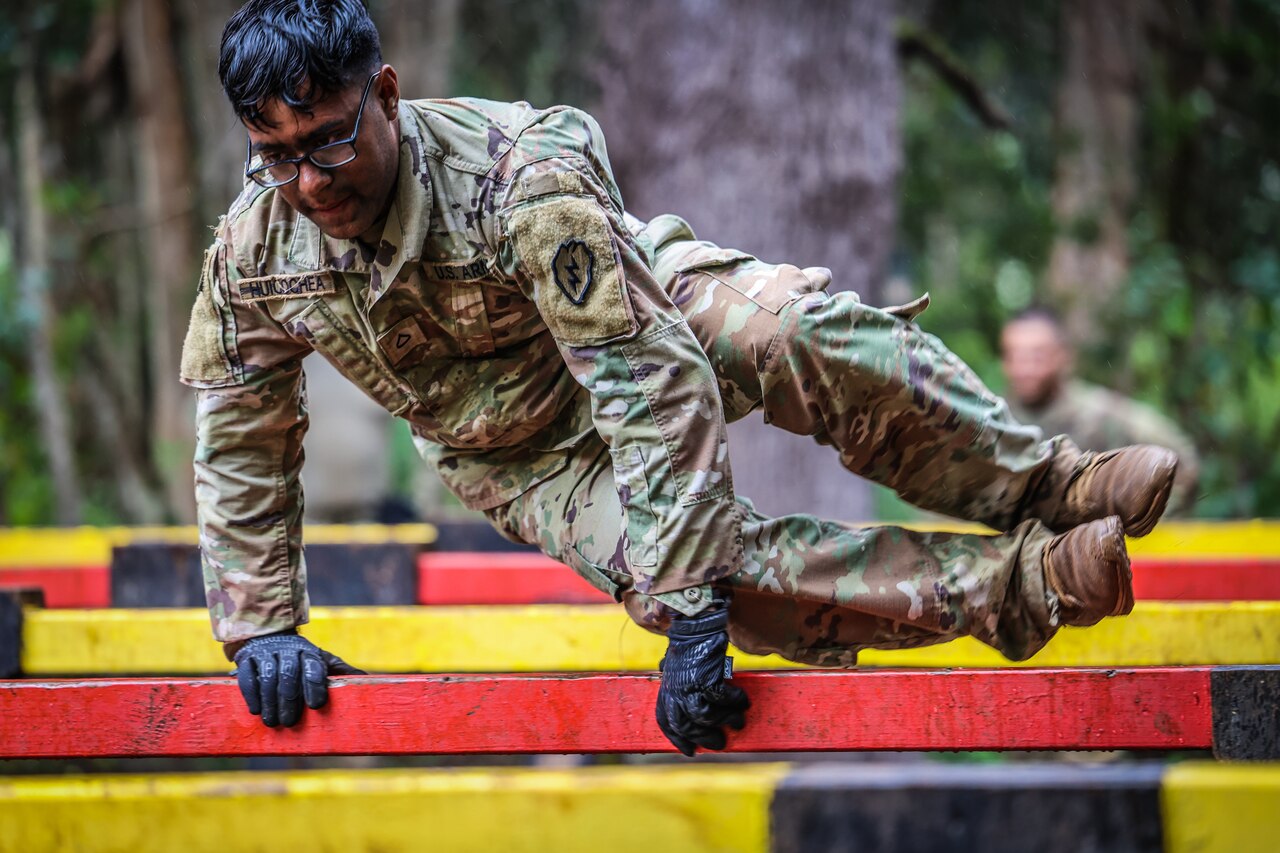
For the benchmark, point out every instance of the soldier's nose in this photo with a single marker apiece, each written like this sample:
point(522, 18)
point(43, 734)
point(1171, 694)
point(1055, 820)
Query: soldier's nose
point(312, 180)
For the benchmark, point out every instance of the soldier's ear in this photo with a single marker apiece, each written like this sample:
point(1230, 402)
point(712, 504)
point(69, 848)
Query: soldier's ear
point(389, 92)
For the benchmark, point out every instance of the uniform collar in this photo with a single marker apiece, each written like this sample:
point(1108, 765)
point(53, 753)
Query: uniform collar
point(405, 230)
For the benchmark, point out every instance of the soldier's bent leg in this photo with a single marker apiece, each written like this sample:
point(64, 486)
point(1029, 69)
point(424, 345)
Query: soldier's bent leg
point(811, 590)
point(897, 405)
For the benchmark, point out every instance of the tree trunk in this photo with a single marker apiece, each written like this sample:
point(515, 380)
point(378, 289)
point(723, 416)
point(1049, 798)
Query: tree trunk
point(1097, 124)
point(166, 188)
point(51, 403)
point(773, 128)
point(220, 138)
point(418, 38)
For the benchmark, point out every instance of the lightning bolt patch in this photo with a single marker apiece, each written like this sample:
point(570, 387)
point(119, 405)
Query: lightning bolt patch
point(573, 269)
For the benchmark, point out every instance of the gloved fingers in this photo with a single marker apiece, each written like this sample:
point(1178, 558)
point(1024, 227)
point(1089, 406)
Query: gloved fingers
point(289, 690)
point(664, 722)
point(315, 686)
point(337, 666)
point(247, 679)
point(707, 737)
point(716, 707)
point(733, 703)
point(268, 688)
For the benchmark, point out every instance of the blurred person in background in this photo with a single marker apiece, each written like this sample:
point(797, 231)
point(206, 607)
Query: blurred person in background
point(569, 370)
point(1039, 366)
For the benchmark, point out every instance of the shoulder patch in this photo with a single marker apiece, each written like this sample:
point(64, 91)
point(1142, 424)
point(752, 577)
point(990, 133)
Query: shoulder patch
point(289, 286)
point(566, 247)
point(573, 268)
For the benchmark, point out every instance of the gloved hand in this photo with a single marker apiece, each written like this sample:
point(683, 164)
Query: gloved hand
point(694, 702)
point(275, 672)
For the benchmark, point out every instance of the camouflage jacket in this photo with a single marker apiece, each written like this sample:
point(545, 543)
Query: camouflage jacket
point(507, 313)
point(1098, 418)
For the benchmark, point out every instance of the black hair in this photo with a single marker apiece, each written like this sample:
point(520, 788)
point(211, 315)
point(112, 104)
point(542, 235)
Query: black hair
point(297, 51)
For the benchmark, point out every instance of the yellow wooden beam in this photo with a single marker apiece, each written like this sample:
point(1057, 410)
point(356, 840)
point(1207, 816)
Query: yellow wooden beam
point(600, 637)
point(32, 547)
point(1221, 808)
point(1198, 539)
point(66, 547)
point(639, 809)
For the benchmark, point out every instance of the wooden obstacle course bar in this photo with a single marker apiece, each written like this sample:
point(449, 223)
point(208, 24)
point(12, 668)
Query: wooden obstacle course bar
point(460, 578)
point(578, 638)
point(1230, 709)
point(167, 575)
point(1193, 807)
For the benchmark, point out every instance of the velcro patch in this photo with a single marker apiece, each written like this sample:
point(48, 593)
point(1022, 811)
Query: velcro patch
point(403, 338)
point(291, 286)
point(566, 246)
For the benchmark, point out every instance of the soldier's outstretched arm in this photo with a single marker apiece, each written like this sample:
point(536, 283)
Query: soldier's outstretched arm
point(654, 398)
point(251, 417)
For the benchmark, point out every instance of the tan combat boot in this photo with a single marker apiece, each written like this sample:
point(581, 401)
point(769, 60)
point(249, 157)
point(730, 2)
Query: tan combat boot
point(1088, 569)
point(1132, 483)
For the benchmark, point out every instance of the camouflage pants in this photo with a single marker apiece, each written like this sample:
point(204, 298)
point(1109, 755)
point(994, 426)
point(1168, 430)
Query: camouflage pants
point(898, 408)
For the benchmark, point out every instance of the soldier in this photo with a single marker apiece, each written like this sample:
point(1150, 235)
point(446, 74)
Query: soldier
point(1039, 365)
point(569, 371)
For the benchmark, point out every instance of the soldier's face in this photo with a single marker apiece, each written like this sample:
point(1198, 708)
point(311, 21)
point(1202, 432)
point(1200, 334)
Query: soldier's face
point(346, 201)
point(1036, 360)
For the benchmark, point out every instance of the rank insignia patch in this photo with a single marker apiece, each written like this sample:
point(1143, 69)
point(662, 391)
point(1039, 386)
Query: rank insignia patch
point(573, 270)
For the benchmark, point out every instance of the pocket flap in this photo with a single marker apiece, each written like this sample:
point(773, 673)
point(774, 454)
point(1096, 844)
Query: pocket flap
point(911, 310)
point(715, 258)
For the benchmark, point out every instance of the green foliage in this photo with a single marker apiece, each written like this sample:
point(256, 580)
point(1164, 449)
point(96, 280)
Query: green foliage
point(530, 50)
point(1193, 331)
point(26, 493)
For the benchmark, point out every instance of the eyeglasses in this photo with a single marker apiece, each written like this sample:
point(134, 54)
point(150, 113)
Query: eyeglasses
point(329, 156)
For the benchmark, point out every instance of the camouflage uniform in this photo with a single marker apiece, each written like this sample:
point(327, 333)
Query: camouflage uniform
point(1097, 418)
point(570, 370)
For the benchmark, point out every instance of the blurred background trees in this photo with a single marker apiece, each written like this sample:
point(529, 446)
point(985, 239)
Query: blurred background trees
point(1120, 161)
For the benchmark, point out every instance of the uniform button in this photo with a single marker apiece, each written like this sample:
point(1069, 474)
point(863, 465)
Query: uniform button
point(693, 594)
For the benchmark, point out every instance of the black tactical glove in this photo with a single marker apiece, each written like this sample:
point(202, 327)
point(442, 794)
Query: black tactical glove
point(694, 702)
point(278, 672)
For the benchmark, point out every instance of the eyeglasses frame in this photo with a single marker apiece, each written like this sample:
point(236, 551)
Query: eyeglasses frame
point(310, 155)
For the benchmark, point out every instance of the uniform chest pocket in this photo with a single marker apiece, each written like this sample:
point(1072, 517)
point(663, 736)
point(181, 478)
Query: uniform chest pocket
point(342, 346)
point(771, 286)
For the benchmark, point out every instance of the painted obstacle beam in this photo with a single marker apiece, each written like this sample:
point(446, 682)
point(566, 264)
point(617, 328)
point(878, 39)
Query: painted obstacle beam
point(747, 808)
point(1180, 561)
point(1230, 709)
point(159, 567)
point(515, 810)
point(157, 574)
point(1131, 808)
point(577, 638)
point(467, 577)
point(497, 578)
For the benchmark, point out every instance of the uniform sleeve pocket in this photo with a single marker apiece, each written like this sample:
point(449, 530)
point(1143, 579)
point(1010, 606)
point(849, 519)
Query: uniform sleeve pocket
point(771, 286)
point(593, 574)
point(206, 362)
point(640, 523)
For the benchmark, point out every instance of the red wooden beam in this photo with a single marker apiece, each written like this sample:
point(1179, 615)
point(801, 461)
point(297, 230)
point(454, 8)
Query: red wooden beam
point(1212, 579)
point(1157, 708)
point(494, 578)
point(69, 586)
point(466, 577)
